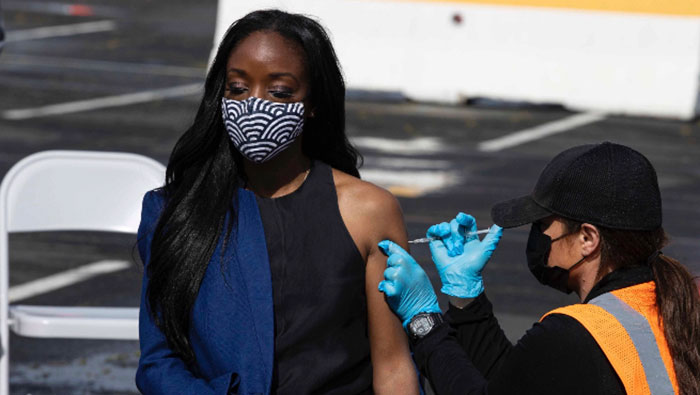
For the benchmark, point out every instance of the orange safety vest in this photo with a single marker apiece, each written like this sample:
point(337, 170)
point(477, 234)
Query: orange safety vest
point(626, 325)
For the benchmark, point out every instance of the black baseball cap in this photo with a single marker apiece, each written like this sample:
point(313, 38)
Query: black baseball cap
point(607, 184)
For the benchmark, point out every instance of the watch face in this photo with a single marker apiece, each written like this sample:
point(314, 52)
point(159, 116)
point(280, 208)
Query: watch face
point(422, 326)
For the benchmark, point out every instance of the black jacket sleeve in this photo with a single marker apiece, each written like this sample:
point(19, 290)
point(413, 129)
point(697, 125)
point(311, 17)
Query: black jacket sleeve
point(480, 335)
point(448, 368)
point(471, 355)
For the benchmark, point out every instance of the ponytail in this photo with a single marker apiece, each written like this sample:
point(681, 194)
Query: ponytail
point(678, 302)
point(677, 297)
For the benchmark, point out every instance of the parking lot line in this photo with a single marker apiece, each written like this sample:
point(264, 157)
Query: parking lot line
point(410, 183)
point(418, 145)
point(64, 279)
point(102, 102)
point(538, 132)
point(60, 31)
point(102, 65)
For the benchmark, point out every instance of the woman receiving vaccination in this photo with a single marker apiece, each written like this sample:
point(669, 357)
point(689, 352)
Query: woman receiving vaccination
point(596, 230)
point(260, 252)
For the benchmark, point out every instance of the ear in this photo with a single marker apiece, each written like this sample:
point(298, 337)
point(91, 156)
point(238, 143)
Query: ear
point(310, 108)
point(589, 240)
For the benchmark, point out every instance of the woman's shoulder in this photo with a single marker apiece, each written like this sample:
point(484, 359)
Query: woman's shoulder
point(560, 331)
point(153, 200)
point(151, 208)
point(364, 198)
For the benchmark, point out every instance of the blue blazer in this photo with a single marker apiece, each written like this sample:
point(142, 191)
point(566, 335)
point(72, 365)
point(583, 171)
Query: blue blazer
point(232, 328)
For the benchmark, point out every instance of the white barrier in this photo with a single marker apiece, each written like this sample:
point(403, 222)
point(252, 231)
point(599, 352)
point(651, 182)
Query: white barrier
point(614, 61)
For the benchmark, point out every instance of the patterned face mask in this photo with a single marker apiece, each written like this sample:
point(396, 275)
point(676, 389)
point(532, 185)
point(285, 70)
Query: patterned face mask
point(261, 129)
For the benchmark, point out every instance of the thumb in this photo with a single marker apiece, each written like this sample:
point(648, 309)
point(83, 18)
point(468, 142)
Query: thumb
point(388, 288)
point(492, 238)
point(389, 248)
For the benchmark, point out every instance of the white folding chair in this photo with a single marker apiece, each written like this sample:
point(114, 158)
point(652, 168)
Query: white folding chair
point(66, 191)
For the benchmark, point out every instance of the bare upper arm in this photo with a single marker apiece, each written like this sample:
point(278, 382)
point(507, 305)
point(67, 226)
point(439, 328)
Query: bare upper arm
point(371, 215)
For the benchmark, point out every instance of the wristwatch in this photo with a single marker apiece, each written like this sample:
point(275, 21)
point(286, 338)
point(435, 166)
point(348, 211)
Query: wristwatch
point(421, 324)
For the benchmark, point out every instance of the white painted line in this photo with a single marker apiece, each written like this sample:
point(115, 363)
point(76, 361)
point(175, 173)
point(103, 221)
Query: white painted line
point(420, 145)
point(385, 162)
point(60, 31)
point(539, 132)
point(64, 279)
point(410, 183)
point(102, 65)
point(103, 102)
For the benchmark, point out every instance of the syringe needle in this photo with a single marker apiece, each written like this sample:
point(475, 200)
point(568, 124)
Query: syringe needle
point(429, 239)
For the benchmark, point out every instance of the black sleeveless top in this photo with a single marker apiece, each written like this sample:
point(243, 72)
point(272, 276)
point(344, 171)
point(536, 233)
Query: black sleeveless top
point(318, 285)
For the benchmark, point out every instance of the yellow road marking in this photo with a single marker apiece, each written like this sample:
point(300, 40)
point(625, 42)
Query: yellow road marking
point(405, 191)
point(663, 7)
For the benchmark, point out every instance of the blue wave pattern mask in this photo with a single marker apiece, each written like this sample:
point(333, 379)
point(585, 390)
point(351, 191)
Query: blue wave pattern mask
point(260, 129)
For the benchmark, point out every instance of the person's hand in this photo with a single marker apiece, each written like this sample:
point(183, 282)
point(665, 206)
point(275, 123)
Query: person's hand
point(406, 286)
point(460, 257)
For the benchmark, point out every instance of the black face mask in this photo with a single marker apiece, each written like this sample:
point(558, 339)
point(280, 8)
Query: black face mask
point(537, 252)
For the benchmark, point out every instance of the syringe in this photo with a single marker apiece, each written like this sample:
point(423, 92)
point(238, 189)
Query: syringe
point(429, 239)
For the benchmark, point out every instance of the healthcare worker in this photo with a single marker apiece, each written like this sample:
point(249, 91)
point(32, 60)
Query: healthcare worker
point(596, 230)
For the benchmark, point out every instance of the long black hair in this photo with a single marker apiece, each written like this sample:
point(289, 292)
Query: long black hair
point(204, 169)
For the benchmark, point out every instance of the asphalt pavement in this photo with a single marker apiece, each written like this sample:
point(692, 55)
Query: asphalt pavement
point(431, 156)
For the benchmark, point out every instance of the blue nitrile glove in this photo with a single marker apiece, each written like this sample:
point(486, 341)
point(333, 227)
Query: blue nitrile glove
point(406, 286)
point(460, 266)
